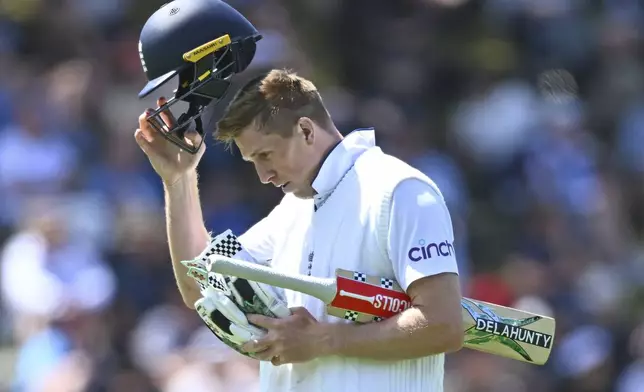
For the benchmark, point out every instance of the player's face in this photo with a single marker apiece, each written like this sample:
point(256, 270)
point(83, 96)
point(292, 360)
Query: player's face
point(286, 162)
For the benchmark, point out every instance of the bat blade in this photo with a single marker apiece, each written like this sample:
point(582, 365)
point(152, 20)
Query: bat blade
point(358, 297)
point(507, 332)
point(490, 328)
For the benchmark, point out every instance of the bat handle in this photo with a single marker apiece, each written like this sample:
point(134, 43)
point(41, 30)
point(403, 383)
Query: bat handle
point(323, 289)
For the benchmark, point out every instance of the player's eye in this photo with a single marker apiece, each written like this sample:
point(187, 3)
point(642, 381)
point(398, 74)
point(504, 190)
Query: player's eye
point(264, 155)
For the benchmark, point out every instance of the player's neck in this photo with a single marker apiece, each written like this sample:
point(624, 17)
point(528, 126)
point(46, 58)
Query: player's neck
point(329, 144)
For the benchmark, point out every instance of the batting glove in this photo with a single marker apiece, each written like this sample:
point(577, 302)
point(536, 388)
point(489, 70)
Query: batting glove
point(227, 299)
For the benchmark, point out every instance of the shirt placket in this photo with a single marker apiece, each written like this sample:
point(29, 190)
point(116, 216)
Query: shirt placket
point(309, 246)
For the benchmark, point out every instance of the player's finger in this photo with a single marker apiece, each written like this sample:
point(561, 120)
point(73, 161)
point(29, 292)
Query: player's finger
point(258, 346)
point(142, 140)
point(299, 310)
point(193, 138)
point(166, 115)
point(266, 355)
point(262, 321)
point(145, 127)
point(158, 123)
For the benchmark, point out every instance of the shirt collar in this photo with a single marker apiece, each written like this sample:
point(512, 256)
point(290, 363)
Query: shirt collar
point(341, 159)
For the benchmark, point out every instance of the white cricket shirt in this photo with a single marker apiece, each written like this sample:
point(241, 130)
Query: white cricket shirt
point(339, 229)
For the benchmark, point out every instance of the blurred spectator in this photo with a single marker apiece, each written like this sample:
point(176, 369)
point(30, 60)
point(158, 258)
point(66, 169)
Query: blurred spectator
point(46, 272)
point(54, 287)
point(35, 159)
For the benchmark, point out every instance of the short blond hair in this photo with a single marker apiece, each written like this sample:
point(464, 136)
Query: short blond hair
point(273, 103)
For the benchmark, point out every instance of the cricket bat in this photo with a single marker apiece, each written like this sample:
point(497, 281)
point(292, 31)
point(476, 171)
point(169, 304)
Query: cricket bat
point(355, 296)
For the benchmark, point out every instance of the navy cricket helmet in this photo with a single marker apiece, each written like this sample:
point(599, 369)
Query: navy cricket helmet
point(204, 43)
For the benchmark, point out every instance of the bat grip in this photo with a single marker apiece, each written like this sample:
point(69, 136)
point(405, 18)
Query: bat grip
point(323, 289)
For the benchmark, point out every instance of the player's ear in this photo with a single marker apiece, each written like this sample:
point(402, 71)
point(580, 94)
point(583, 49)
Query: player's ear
point(305, 129)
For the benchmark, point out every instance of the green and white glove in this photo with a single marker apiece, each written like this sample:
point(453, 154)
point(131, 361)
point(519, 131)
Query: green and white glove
point(227, 299)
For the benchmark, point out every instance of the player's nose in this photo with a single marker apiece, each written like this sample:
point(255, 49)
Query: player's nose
point(265, 175)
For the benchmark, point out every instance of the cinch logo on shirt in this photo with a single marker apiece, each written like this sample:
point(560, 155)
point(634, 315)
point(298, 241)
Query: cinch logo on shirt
point(427, 251)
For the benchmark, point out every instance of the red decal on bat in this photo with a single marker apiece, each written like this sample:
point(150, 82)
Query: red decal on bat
point(370, 299)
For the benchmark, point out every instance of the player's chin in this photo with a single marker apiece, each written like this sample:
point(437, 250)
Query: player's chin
point(301, 192)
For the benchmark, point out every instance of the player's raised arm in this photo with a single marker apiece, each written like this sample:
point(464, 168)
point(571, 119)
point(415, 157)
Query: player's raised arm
point(187, 234)
point(199, 45)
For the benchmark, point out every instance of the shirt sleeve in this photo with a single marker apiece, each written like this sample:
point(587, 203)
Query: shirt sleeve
point(421, 236)
point(258, 242)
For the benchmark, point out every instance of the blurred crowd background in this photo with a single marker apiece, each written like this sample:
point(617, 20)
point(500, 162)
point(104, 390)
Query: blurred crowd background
point(529, 114)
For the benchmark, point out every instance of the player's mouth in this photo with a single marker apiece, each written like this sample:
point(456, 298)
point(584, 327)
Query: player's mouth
point(284, 186)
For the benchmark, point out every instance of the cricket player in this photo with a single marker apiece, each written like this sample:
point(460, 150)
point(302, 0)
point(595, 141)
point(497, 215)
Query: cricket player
point(346, 204)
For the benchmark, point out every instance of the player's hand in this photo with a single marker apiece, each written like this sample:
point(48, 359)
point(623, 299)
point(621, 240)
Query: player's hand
point(169, 161)
point(296, 338)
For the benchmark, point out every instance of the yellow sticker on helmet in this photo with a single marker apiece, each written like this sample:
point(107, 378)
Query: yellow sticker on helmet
point(202, 51)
